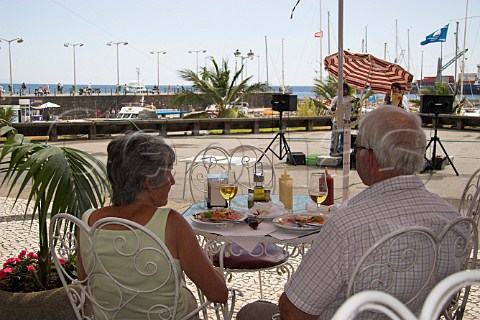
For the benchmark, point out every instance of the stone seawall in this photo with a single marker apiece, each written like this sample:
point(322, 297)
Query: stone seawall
point(86, 105)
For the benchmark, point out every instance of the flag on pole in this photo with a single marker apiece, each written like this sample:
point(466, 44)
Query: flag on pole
point(438, 36)
point(319, 34)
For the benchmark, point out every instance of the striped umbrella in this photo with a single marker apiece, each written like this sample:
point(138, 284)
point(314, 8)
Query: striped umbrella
point(362, 70)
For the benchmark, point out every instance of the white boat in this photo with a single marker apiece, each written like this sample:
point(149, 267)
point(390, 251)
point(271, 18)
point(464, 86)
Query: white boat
point(472, 111)
point(137, 110)
point(136, 86)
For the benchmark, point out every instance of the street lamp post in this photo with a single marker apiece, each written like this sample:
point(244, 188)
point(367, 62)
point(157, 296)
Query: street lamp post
point(258, 66)
point(238, 54)
point(158, 67)
point(18, 40)
point(197, 51)
point(74, 64)
point(117, 89)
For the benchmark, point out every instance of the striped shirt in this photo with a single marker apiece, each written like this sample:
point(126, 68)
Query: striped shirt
point(318, 286)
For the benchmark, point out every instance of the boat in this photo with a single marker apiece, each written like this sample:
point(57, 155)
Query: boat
point(137, 110)
point(136, 86)
point(471, 111)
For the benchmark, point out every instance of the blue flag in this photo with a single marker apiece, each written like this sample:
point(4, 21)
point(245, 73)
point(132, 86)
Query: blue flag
point(438, 36)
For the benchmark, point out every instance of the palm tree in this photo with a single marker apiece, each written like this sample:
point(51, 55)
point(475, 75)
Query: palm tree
point(55, 179)
point(217, 87)
point(325, 92)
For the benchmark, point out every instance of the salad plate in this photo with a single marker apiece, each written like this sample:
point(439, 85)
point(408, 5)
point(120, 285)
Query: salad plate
point(218, 216)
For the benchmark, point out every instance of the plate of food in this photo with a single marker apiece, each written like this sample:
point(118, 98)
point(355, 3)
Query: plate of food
point(300, 222)
point(218, 216)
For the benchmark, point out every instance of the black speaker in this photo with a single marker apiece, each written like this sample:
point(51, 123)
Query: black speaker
point(284, 102)
point(437, 104)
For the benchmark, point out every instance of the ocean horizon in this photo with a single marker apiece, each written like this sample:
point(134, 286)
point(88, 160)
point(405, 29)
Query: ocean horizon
point(300, 91)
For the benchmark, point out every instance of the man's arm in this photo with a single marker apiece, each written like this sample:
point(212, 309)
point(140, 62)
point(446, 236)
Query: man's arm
point(289, 311)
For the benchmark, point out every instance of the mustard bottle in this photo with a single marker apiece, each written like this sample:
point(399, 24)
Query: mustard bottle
point(286, 190)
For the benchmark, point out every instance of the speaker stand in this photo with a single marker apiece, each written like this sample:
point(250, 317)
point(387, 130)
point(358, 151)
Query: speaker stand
point(283, 144)
point(433, 162)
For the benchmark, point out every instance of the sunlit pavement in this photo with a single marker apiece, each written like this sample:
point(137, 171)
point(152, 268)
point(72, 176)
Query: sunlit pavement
point(17, 232)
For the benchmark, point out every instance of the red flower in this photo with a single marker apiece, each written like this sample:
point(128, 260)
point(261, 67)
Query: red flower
point(22, 254)
point(32, 255)
point(30, 268)
point(62, 262)
point(8, 270)
point(2, 274)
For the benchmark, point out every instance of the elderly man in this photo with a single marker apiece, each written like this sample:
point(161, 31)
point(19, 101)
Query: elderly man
point(389, 151)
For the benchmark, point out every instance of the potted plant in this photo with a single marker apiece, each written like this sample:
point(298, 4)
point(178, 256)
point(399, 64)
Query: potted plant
point(53, 180)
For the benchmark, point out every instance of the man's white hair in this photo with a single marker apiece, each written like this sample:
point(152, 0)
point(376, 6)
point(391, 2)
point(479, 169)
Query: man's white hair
point(396, 138)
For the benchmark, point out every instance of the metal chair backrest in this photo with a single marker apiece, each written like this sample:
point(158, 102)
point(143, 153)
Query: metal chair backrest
point(373, 301)
point(408, 262)
point(469, 201)
point(215, 160)
point(211, 160)
point(109, 289)
point(243, 159)
point(442, 293)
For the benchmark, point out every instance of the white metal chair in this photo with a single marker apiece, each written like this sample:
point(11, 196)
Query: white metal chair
point(469, 201)
point(211, 160)
point(246, 157)
point(441, 294)
point(393, 264)
point(374, 301)
point(134, 246)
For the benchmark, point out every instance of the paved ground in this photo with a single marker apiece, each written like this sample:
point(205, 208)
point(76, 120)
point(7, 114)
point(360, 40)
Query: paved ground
point(17, 232)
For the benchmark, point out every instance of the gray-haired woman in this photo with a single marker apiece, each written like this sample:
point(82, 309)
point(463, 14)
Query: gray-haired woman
point(139, 168)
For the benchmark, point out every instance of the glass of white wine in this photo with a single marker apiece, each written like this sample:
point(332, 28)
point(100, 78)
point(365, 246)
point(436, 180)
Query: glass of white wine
point(317, 188)
point(228, 187)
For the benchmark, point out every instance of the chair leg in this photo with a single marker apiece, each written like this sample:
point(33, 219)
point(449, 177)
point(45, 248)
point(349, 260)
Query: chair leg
point(260, 283)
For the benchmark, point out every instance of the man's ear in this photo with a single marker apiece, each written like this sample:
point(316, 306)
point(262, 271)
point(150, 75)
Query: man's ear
point(147, 183)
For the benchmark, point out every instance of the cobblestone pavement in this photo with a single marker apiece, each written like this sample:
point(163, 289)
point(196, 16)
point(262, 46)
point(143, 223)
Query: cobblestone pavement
point(17, 232)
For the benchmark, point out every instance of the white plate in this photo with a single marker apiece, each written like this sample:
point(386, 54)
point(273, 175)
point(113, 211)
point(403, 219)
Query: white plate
point(284, 222)
point(194, 218)
point(268, 210)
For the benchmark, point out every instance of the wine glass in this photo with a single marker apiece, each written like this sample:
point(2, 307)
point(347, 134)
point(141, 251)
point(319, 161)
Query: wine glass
point(228, 187)
point(317, 188)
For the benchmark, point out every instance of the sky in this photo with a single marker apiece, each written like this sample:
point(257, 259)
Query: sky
point(220, 27)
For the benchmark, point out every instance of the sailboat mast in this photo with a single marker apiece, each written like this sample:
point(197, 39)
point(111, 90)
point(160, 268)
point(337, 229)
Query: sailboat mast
point(266, 57)
point(396, 41)
point(463, 58)
point(455, 76)
point(328, 32)
point(283, 69)
point(408, 49)
point(320, 39)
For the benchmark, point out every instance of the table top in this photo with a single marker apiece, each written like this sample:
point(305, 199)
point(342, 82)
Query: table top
point(246, 237)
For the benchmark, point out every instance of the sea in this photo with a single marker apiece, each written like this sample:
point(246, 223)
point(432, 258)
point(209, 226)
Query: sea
point(300, 91)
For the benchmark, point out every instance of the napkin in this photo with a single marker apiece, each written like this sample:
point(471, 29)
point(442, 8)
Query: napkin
point(268, 209)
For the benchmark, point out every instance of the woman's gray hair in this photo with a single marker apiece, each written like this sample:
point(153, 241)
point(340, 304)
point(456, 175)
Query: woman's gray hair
point(396, 138)
point(132, 158)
